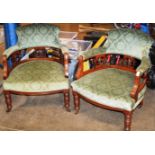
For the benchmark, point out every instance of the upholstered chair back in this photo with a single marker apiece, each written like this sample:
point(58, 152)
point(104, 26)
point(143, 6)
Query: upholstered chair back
point(38, 35)
point(128, 42)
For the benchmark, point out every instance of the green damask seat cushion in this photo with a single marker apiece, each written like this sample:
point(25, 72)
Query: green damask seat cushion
point(38, 35)
point(110, 87)
point(37, 76)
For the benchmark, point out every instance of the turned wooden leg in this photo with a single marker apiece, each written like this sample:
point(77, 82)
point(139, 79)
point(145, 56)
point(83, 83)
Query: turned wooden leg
point(127, 120)
point(8, 101)
point(76, 103)
point(141, 104)
point(66, 101)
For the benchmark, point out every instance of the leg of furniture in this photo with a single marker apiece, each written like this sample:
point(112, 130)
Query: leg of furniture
point(141, 104)
point(127, 121)
point(8, 101)
point(66, 101)
point(76, 102)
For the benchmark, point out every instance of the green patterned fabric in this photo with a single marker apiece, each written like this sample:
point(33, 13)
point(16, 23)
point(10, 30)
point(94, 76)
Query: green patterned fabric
point(92, 52)
point(37, 76)
point(38, 35)
point(128, 42)
point(123, 41)
point(8, 52)
point(11, 50)
point(144, 66)
point(110, 87)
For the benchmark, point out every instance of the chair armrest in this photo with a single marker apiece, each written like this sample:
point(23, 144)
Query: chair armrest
point(66, 64)
point(65, 52)
point(139, 84)
point(144, 66)
point(64, 49)
point(79, 67)
point(5, 67)
point(92, 52)
point(84, 56)
point(8, 52)
point(134, 91)
point(141, 73)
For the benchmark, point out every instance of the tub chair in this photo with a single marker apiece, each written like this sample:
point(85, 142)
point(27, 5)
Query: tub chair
point(36, 75)
point(117, 85)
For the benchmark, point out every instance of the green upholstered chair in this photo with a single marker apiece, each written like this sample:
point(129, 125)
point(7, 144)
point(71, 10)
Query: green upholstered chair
point(116, 86)
point(36, 76)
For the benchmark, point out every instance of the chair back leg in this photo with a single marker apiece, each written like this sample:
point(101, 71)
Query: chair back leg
point(141, 104)
point(67, 101)
point(76, 102)
point(8, 101)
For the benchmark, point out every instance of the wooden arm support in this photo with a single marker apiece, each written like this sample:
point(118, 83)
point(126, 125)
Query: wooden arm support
point(102, 61)
point(5, 67)
point(138, 85)
point(79, 72)
point(134, 91)
point(66, 64)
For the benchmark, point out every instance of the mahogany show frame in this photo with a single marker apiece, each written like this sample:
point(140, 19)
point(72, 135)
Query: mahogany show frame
point(16, 60)
point(100, 62)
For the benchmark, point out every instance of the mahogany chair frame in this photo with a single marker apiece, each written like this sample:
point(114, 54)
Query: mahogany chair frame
point(16, 60)
point(100, 62)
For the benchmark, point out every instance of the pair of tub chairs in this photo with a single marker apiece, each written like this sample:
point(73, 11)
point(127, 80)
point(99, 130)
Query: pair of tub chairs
point(119, 87)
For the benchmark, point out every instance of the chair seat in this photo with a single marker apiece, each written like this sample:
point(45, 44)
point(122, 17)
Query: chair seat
point(37, 76)
point(110, 87)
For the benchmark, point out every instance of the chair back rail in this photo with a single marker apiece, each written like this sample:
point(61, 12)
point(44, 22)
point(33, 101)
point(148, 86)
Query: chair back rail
point(16, 59)
point(102, 61)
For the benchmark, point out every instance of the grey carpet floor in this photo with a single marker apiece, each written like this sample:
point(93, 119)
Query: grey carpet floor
point(46, 113)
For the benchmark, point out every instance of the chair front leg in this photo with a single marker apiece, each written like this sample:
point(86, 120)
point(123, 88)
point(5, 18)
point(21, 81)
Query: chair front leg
point(76, 102)
point(67, 101)
point(127, 120)
point(8, 101)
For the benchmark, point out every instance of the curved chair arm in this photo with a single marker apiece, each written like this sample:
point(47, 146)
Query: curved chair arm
point(141, 73)
point(144, 66)
point(80, 67)
point(8, 52)
point(139, 84)
point(66, 64)
point(65, 52)
point(84, 56)
point(92, 52)
point(64, 49)
point(95, 50)
point(134, 91)
point(5, 67)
